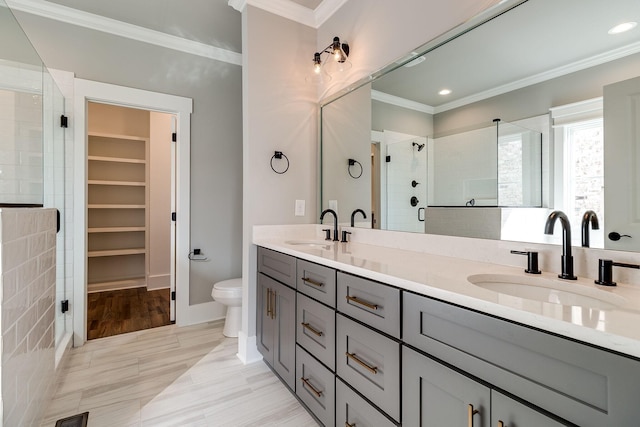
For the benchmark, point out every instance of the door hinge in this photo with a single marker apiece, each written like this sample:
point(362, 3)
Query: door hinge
point(173, 216)
point(174, 137)
point(173, 295)
point(388, 159)
point(64, 121)
point(64, 305)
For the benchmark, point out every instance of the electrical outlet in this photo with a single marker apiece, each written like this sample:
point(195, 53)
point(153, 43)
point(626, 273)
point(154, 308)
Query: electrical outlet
point(333, 204)
point(299, 211)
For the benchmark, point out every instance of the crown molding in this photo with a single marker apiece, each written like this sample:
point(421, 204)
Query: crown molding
point(294, 11)
point(376, 95)
point(326, 9)
point(111, 26)
point(238, 5)
point(541, 77)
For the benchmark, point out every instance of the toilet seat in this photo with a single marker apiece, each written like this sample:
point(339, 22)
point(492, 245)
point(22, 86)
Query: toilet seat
point(231, 288)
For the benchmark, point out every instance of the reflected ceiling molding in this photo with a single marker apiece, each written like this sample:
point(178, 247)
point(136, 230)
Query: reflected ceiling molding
point(401, 102)
point(547, 75)
point(287, 9)
point(112, 26)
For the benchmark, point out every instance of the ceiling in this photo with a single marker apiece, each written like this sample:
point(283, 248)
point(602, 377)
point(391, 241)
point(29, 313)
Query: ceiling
point(535, 41)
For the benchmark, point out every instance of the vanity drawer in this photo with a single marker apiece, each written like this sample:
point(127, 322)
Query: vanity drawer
point(585, 385)
point(370, 363)
point(316, 387)
point(353, 410)
point(277, 266)
point(372, 303)
point(317, 281)
point(316, 330)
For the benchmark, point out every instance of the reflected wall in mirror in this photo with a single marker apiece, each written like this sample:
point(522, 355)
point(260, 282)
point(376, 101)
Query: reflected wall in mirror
point(550, 82)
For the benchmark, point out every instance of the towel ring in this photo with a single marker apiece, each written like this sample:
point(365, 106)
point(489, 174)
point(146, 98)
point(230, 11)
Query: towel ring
point(351, 163)
point(279, 155)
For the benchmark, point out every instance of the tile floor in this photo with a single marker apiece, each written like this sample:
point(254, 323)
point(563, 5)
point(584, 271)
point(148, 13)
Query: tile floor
point(171, 376)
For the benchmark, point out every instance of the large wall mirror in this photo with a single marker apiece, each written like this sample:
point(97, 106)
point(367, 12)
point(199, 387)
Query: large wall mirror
point(534, 106)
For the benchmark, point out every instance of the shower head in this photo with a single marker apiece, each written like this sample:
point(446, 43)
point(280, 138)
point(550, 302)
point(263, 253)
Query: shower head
point(420, 146)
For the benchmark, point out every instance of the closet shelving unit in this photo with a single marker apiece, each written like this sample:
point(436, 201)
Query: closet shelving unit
point(118, 199)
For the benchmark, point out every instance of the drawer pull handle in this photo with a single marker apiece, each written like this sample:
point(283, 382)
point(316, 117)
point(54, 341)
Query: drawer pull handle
point(501, 424)
point(312, 282)
point(313, 330)
point(306, 382)
point(372, 369)
point(346, 424)
point(471, 413)
point(364, 303)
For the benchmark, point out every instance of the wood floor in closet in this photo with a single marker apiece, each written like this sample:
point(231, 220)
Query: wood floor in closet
point(127, 310)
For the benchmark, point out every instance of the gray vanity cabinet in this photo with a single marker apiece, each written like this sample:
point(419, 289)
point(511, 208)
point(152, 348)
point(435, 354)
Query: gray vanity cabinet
point(370, 363)
point(276, 327)
point(434, 395)
point(582, 384)
point(353, 410)
point(316, 329)
point(372, 303)
point(506, 412)
point(317, 282)
point(316, 387)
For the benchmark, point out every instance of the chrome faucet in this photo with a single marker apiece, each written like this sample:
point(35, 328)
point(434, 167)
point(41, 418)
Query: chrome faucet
point(567, 258)
point(353, 216)
point(335, 222)
point(589, 216)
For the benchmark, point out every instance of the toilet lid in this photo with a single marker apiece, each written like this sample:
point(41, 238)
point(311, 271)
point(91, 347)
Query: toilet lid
point(229, 284)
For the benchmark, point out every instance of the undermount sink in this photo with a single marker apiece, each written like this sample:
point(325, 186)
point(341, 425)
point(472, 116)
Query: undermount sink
point(546, 290)
point(312, 243)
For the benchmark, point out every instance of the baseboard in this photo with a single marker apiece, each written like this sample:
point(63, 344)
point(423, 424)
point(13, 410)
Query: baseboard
point(247, 349)
point(62, 351)
point(158, 281)
point(201, 313)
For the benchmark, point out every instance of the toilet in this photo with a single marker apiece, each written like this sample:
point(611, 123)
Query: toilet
point(229, 293)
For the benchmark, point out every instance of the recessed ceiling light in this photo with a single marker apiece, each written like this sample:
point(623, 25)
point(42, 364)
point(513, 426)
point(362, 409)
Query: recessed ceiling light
point(445, 92)
point(622, 27)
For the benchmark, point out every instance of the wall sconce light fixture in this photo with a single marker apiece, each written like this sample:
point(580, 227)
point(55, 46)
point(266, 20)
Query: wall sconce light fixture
point(337, 60)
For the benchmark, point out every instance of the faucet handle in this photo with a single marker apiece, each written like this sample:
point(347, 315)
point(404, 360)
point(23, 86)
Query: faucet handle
point(532, 261)
point(327, 233)
point(344, 236)
point(605, 271)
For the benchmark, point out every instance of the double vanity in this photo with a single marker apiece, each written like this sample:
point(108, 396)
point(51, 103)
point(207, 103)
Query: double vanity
point(372, 335)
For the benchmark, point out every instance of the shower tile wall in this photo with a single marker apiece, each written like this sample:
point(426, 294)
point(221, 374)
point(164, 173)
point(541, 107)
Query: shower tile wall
point(20, 134)
point(407, 164)
point(28, 275)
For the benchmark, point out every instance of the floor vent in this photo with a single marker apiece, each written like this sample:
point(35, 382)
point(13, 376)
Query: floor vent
point(79, 420)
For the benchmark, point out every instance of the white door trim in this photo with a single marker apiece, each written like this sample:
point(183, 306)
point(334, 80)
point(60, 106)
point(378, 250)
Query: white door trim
point(85, 91)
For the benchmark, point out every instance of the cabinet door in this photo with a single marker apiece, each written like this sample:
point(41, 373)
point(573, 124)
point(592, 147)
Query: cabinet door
point(506, 412)
point(353, 410)
point(434, 395)
point(265, 331)
point(284, 348)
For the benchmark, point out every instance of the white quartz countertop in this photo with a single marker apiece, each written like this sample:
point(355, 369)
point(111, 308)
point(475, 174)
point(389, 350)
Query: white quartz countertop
point(614, 325)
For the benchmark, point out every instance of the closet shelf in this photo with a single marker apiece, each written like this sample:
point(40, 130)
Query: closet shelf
point(116, 252)
point(123, 183)
point(115, 229)
point(111, 206)
point(116, 159)
point(116, 136)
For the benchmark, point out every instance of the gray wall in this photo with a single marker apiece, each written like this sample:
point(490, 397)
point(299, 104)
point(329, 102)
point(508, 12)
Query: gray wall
point(280, 113)
point(392, 117)
point(216, 126)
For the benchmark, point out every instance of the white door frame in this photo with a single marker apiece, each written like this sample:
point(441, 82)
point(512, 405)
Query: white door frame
point(85, 91)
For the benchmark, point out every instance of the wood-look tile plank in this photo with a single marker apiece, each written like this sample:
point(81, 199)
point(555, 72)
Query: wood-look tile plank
point(193, 378)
